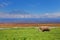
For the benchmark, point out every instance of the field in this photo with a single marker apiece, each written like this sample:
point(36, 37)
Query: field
point(29, 34)
point(10, 25)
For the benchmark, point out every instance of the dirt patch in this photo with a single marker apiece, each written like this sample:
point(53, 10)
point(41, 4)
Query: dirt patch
point(9, 25)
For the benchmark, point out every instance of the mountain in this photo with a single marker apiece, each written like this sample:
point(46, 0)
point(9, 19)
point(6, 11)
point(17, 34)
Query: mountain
point(29, 20)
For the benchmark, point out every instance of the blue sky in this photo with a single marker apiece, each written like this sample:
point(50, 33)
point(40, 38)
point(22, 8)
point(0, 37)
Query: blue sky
point(29, 8)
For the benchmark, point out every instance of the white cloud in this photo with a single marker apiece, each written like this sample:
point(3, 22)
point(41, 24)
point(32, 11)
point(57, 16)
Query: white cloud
point(3, 4)
point(52, 15)
point(17, 16)
point(46, 15)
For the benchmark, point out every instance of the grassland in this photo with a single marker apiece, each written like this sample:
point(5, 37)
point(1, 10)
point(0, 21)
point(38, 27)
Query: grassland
point(29, 34)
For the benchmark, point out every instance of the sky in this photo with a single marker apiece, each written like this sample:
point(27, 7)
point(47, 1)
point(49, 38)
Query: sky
point(29, 8)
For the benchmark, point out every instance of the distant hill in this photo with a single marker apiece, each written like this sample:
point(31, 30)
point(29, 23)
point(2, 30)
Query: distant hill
point(29, 20)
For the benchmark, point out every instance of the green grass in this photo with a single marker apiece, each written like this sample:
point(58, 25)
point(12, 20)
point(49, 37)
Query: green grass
point(29, 34)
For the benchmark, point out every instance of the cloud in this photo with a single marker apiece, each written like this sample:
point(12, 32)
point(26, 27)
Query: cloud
point(4, 3)
point(45, 15)
point(16, 15)
point(52, 15)
point(1, 5)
